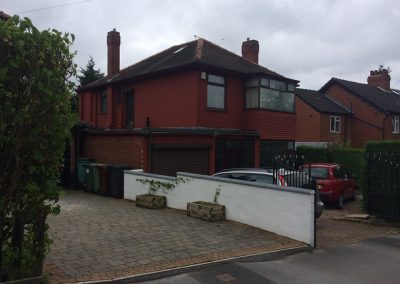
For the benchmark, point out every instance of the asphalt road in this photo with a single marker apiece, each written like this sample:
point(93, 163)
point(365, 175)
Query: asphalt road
point(372, 261)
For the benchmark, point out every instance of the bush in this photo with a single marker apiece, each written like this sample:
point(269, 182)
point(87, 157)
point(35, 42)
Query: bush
point(35, 119)
point(352, 159)
point(381, 179)
point(313, 154)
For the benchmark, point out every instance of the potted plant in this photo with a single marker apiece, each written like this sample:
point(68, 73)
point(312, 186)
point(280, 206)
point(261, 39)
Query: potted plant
point(209, 211)
point(152, 200)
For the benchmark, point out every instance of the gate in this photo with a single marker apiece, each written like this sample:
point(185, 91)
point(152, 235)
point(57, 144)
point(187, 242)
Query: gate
point(383, 184)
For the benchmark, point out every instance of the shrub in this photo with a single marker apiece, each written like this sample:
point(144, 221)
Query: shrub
point(35, 119)
point(352, 159)
point(313, 154)
point(381, 179)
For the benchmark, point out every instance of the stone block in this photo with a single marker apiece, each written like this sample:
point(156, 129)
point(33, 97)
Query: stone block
point(151, 201)
point(206, 210)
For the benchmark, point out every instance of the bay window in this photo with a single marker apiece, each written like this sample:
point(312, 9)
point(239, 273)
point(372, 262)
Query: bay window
point(263, 93)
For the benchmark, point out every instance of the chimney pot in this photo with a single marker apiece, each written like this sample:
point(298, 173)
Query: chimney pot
point(250, 49)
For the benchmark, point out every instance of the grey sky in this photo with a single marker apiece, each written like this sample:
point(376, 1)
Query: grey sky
point(310, 41)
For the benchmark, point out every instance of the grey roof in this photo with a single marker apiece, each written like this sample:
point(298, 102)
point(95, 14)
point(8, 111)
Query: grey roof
point(320, 102)
point(199, 52)
point(385, 100)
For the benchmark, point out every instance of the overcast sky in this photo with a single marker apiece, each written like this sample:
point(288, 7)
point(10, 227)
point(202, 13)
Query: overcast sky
point(310, 41)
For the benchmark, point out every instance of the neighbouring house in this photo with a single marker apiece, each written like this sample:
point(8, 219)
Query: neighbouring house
point(3, 16)
point(374, 106)
point(193, 107)
point(320, 119)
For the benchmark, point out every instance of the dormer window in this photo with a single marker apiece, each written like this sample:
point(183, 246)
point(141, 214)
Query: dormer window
point(263, 93)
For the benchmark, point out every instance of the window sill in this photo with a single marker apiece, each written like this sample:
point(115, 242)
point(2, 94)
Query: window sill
point(216, 109)
point(334, 132)
point(271, 110)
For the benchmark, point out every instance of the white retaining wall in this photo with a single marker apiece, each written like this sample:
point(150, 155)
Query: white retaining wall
point(286, 211)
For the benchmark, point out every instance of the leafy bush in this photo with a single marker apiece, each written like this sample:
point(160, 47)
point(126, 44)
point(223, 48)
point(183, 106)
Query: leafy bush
point(352, 159)
point(381, 179)
point(35, 119)
point(313, 154)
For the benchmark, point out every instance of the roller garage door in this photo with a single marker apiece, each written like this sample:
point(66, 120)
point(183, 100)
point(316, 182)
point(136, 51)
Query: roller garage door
point(167, 160)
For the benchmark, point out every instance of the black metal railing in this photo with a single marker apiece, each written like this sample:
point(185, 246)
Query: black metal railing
point(383, 184)
point(288, 169)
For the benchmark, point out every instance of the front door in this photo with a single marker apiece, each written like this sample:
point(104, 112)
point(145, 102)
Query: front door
point(129, 107)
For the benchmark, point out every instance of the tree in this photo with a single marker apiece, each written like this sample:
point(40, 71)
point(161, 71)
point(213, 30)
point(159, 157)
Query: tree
point(89, 74)
point(35, 120)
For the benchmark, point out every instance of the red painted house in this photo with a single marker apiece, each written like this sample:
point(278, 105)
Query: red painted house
point(193, 107)
point(375, 107)
point(320, 119)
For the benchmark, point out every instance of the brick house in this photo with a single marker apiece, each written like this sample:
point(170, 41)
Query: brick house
point(374, 106)
point(3, 16)
point(193, 107)
point(320, 119)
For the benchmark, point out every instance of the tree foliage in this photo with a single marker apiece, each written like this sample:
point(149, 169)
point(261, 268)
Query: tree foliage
point(35, 119)
point(89, 73)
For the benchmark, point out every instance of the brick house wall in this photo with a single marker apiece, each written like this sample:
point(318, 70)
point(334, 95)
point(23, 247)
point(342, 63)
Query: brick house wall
point(367, 121)
point(325, 132)
point(116, 149)
point(308, 123)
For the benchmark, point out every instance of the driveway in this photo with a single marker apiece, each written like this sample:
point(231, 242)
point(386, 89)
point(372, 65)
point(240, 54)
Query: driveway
point(334, 230)
point(99, 238)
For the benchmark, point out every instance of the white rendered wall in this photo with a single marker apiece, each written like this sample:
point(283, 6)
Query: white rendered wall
point(286, 211)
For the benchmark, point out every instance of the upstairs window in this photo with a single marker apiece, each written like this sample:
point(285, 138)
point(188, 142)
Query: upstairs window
point(335, 124)
point(262, 93)
point(103, 101)
point(396, 124)
point(215, 92)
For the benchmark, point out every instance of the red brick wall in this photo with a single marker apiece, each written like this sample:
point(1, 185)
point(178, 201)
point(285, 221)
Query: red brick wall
point(169, 101)
point(367, 121)
point(308, 123)
point(325, 129)
point(232, 116)
point(116, 149)
point(272, 125)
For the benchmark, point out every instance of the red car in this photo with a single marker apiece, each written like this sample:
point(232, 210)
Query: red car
point(334, 182)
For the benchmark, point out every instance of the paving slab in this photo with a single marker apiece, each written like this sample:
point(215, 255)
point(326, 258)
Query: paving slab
point(99, 238)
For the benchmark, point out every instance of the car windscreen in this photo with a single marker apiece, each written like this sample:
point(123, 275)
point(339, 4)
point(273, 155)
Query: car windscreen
point(263, 178)
point(318, 173)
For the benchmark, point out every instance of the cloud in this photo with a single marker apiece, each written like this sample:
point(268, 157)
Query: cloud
point(307, 40)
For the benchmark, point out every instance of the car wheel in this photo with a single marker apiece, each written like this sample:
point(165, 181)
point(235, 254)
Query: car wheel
point(354, 197)
point(339, 202)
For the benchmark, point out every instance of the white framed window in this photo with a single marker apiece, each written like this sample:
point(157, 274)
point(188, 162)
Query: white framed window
point(216, 92)
point(396, 124)
point(335, 124)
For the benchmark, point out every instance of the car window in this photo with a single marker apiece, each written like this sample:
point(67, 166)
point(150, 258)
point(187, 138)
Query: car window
point(318, 173)
point(261, 178)
point(339, 173)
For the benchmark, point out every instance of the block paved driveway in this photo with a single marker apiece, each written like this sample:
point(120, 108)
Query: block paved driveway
point(99, 238)
point(332, 232)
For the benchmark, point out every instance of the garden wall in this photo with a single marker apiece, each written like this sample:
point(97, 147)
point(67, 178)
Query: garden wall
point(286, 211)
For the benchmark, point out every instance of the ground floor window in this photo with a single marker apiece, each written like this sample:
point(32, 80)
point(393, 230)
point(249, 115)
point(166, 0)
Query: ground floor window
point(269, 149)
point(234, 154)
point(396, 124)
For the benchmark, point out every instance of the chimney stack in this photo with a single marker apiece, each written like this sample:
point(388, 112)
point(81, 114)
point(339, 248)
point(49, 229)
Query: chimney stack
point(113, 43)
point(379, 78)
point(250, 49)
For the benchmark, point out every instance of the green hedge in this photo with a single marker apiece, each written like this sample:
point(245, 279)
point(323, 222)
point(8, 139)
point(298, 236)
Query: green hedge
point(313, 154)
point(383, 146)
point(381, 182)
point(352, 159)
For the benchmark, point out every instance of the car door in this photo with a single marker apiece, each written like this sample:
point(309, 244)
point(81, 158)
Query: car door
point(339, 183)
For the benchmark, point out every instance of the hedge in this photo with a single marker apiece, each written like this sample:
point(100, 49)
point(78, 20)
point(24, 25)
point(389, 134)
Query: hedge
point(352, 159)
point(313, 154)
point(381, 179)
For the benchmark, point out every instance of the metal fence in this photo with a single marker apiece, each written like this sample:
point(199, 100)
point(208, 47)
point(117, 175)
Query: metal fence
point(288, 168)
point(382, 185)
